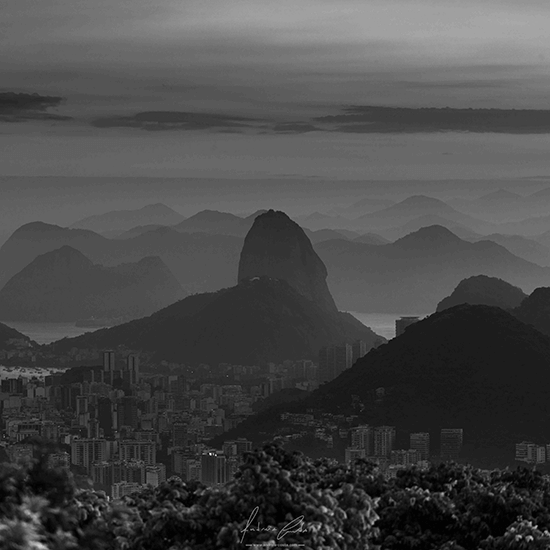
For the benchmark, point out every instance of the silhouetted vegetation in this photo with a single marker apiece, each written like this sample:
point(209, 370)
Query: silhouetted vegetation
point(317, 504)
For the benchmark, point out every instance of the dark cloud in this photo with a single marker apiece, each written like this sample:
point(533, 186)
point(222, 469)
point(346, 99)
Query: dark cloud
point(21, 107)
point(176, 120)
point(295, 128)
point(370, 119)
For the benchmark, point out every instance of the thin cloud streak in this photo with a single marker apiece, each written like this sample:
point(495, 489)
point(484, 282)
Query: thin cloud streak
point(369, 119)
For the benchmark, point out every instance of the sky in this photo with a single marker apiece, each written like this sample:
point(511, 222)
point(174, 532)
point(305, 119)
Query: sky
point(353, 89)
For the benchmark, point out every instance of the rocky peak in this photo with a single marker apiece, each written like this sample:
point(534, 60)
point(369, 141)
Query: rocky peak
point(277, 247)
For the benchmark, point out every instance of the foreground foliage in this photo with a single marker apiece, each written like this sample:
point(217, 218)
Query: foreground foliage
point(282, 498)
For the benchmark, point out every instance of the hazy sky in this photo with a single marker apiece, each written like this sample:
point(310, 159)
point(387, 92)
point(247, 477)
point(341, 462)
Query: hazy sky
point(248, 88)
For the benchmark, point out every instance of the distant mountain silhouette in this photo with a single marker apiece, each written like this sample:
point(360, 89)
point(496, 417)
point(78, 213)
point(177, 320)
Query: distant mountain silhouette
point(318, 220)
point(394, 233)
point(221, 223)
point(417, 271)
point(36, 238)
point(522, 247)
point(528, 227)
point(277, 247)
point(414, 207)
point(326, 235)
point(483, 290)
point(200, 261)
point(135, 231)
point(123, 220)
point(503, 207)
point(535, 310)
point(264, 318)
point(258, 321)
point(472, 367)
point(371, 238)
point(64, 285)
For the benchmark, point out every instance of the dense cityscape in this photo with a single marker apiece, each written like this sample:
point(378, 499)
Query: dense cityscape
point(124, 428)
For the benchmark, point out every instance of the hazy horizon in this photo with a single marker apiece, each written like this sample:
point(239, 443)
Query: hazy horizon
point(240, 89)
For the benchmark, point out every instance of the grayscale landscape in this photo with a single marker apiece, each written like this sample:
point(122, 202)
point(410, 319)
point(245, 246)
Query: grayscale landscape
point(274, 275)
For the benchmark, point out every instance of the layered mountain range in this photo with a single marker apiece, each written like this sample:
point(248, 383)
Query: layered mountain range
point(280, 309)
point(112, 223)
point(415, 272)
point(367, 272)
point(200, 261)
point(63, 285)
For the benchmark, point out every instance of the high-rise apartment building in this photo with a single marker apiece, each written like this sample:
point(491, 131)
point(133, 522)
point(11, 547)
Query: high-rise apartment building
point(451, 443)
point(333, 361)
point(127, 412)
point(527, 451)
point(359, 349)
point(84, 452)
point(384, 440)
point(109, 359)
point(362, 437)
point(132, 365)
point(420, 441)
point(213, 468)
point(131, 449)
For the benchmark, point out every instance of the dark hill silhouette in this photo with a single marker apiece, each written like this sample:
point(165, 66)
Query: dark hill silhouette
point(262, 319)
point(277, 247)
point(416, 272)
point(483, 290)
point(64, 285)
point(535, 310)
point(123, 220)
point(8, 333)
point(259, 320)
point(469, 366)
point(473, 367)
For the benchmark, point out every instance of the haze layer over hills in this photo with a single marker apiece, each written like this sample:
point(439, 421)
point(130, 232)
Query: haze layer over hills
point(417, 271)
point(64, 285)
point(280, 309)
point(202, 251)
